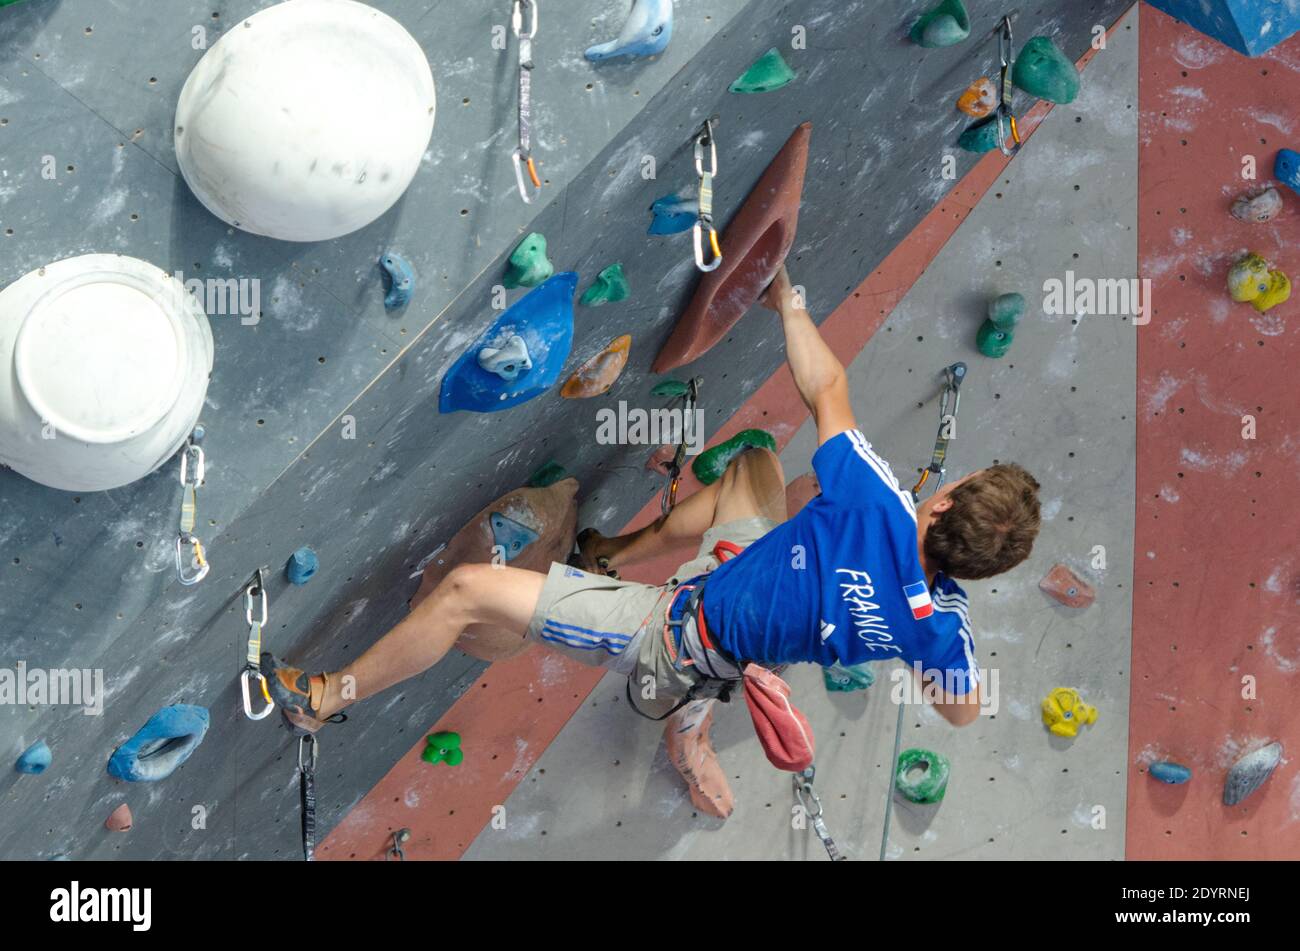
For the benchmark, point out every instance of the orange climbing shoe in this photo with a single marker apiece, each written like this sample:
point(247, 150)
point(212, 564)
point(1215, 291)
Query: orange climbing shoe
point(583, 556)
point(292, 689)
point(690, 750)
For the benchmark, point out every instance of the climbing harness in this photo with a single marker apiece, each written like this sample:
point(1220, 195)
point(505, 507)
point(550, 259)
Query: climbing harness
point(254, 593)
point(1005, 115)
point(949, 405)
point(194, 569)
point(400, 838)
point(307, 753)
point(811, 804)
point(523, 155)
point(706, 146)
point(689, 401)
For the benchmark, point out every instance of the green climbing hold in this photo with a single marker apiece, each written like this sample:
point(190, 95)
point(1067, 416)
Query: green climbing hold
point(443, 748)
point(1007, 311)
point(547, 476)
point(672, 388)
point(1042, 70)
point(610, 287)
point(709, 466)
point(770, 72)
point(922, 776)
point(846, 679)
point(528, 263)
point(993, 341)
point(981, 137)
point(946, 25)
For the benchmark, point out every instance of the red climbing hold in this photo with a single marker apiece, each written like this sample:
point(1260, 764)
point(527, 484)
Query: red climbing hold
point(120, 820)
point(661, 460)
point(1067, 587)
point(754, 247)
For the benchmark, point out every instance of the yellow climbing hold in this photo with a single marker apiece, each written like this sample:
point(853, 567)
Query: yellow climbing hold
point(1252, 280)
point(1064, 712)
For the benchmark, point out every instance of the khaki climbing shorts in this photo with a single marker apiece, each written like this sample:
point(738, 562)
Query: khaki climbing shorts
point(619, 625)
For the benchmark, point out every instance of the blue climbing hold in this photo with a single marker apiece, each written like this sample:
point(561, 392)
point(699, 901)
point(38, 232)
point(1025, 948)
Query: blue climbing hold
point(303, 565)
point(648, 30)
point(1287, 169)
point(1175, 774)
point(510, 536)
point(35, 759)
point(161, 745)
point(674, 214)
point(399, 280)
point(544, 321)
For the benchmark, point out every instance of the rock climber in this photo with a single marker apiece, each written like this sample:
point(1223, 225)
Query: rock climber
point(860, 574)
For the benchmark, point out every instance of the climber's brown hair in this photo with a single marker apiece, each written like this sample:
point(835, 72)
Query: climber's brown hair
point(990, 527)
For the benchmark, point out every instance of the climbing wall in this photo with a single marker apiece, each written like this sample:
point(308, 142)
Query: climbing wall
point(1216, 644)
point(1059, 403)
point(85, 581)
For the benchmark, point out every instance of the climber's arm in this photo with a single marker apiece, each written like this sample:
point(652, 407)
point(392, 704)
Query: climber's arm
point(818, 375)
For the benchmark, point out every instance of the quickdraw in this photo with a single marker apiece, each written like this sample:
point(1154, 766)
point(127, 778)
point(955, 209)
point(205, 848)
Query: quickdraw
point(1006, 116)
point(523, 155)
point(255, 592)
point(689, 400)
point(811, 804)
point(706, 146)
point(191, 570)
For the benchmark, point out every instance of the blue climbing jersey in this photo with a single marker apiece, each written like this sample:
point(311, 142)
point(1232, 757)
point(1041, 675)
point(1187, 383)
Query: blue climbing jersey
point(842, 581)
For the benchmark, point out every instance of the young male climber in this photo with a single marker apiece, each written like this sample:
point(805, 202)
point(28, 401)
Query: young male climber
point(860, 574)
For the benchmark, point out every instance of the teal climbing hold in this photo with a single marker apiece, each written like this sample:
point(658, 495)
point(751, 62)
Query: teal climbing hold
point(1175, 774)
point(841, 679)
point(1007, 311)
point(981, 137)
point(648, 31)
point(922, 776)
point(673, 388)
point(1250, 772)
point(443, 748)
point(547, 476)
point(946, 25)
point(993, 341)
point(1287, 169)
point(544, 321)
point(161, 745)
point(35, 759)
point(1044, 71)
point(710, 465)
point(770, 72)
point(610, 287)
point(528, 264)
point(399, 280)
point(302, 566)
point(674, 214)
point(510, 536)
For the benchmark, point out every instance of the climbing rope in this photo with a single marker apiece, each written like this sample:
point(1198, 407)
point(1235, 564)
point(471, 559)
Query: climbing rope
point(191, 570)
point(255, 592)
point(806, 796)
point(523, 155)
point(689, 400)
point(307, 754)
point(706, 146)
point(1006, 116)
point(949, 405)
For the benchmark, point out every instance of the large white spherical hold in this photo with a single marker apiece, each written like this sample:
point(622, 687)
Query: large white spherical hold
point(306, 121)
point(104, 365)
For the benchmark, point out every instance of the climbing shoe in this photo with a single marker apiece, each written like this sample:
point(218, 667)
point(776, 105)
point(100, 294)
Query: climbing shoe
point(584, 561)
point(291, 689)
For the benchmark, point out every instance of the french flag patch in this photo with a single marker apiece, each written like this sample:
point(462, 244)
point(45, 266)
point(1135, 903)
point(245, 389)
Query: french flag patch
point(918, 599)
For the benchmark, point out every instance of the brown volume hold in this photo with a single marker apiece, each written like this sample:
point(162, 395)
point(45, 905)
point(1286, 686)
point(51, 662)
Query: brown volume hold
point(120, 820)
point(1067, 587)
point(598, 374)
point(754, 247)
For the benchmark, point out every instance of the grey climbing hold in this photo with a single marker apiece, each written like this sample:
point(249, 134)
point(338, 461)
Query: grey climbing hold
point(161, 745)
point(399, 280)
point(1250, 772)
point(303, 565)
point(507, 361)
point(1260, 208)
point(35, 759)
point(1175, 774)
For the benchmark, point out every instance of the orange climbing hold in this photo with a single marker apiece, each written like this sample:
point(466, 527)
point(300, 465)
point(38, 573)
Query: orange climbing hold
point(980, 99)
point(120, 820)
point(756, 244)
point(1067, 587)
point(598, 374)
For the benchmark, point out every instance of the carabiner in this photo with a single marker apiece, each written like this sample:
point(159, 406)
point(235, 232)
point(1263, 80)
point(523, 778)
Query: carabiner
point(199, 465)
point(517, 19)
point(250, 599)
point(198, 566)
point(244, 678)
point(707, 265)
point(1006, 116)
point(522, 162)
